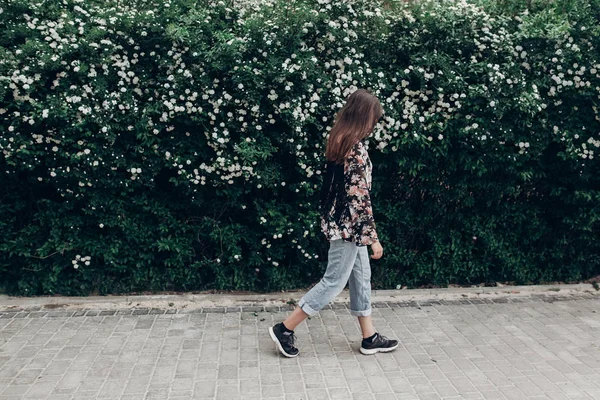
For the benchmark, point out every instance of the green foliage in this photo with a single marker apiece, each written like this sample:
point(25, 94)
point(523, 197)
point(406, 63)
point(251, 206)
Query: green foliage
point(178, 145)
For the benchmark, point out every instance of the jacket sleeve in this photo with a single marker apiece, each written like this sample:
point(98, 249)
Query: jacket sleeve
point(358, 198)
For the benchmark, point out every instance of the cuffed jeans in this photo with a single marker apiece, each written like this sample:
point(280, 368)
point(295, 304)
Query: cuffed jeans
point(346, 262)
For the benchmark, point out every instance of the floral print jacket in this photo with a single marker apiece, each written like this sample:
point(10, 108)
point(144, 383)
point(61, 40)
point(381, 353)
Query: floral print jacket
point(352, 220)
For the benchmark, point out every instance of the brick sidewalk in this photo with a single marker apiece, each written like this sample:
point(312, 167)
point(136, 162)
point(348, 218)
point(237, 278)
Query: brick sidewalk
point(526, 348)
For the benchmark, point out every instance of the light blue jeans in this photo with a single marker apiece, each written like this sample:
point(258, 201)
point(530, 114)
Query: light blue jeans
point(346, 262)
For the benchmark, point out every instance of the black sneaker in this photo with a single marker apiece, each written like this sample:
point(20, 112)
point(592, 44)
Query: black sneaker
point(380, 344)
point(283, 340)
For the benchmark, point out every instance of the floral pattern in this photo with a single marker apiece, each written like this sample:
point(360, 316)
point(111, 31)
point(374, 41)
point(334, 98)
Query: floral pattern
point(357, 224)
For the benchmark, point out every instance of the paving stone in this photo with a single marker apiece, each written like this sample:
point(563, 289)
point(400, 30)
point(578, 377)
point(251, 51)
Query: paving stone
point(525, 348)
point(215, 310)
point(252, 309)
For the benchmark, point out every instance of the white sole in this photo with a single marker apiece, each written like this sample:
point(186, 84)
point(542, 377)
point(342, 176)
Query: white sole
point(274, 338)
point(369, 352)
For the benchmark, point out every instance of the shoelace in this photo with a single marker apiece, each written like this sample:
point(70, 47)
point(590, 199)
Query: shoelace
point(292, 339)
point(382, 338)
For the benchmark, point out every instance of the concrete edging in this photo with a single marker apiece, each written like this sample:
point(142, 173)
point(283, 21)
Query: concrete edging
point(216, 300)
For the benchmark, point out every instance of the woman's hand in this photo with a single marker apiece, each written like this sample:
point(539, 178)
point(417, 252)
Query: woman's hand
point(377, 250)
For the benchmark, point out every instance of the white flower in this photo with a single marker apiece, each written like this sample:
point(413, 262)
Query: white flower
point(492, 103)
point(101, 225)
point(240, 86)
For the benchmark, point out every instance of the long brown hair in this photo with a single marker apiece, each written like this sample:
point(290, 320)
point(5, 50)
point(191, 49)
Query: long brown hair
point(354, 122)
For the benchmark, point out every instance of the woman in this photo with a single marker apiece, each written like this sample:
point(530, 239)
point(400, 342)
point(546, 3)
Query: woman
point(347, 221)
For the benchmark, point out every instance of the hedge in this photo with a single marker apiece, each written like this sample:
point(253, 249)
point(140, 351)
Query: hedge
point(178, 145)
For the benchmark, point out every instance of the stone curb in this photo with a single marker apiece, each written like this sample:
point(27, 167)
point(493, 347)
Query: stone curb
point(38, 311)
point(254, 300)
